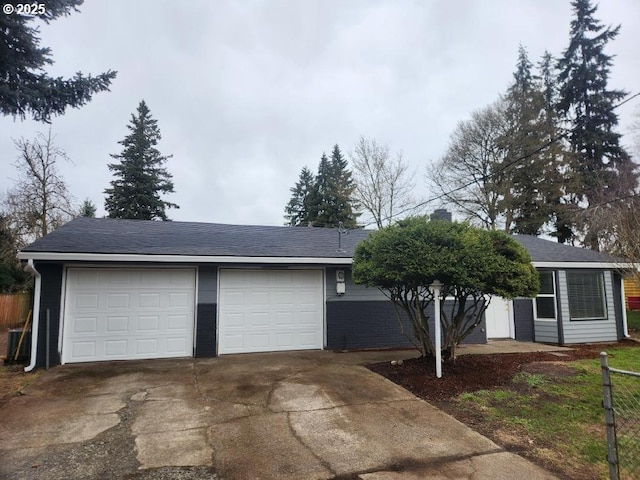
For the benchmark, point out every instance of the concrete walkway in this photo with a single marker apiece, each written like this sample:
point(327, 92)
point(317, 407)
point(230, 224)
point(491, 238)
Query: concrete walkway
point(305, 415)
point(508, 346)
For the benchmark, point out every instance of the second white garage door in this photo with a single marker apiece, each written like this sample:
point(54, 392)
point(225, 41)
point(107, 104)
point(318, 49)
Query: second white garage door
point(270, 310)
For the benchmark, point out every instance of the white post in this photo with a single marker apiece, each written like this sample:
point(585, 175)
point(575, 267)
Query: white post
point(435, 286)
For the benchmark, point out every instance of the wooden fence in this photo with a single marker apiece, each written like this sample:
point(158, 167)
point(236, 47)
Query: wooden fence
point(14, 310)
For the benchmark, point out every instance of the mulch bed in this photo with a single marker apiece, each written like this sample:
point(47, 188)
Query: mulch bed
point(469, 373)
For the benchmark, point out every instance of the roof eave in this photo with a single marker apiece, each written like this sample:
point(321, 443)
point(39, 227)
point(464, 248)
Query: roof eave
point(603, 265)
point(120, 257)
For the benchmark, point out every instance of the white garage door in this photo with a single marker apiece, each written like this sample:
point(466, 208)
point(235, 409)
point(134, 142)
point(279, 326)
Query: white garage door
point(270, 310)
point(123, 314)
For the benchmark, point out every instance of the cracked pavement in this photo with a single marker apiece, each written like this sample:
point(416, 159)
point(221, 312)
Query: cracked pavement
point(295, 415)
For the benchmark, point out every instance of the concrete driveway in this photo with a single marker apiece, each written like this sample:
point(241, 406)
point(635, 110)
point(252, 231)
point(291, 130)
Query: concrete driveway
point(306, 415)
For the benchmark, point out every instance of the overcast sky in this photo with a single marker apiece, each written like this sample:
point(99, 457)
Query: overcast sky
point(246, 93)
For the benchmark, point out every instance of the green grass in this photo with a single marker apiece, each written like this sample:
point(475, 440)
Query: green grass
point(633, 319)
point(563, 413)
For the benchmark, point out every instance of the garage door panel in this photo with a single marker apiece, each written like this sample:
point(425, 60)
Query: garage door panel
point(270, 310)
point(84, 349)
point(117, 325)
point(115, 348)
point(143, 316)
point(117, 300)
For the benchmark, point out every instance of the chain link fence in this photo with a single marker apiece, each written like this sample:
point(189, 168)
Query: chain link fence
point(621, 401)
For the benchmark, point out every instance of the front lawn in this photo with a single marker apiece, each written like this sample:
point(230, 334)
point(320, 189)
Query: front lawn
point(547, 408)
point(633, 322)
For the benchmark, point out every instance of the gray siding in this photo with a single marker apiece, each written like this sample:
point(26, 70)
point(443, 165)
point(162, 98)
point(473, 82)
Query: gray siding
point(354, 292)
point(588, 331)
point(546, 331)
point(523, 319)
point(206, 321)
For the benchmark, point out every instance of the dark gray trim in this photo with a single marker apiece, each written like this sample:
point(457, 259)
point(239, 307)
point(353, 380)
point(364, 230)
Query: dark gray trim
point(523, 319)
point(50, 299)
point(617, 304)
point(362, 324)
point(559, 320)
point(206, 330)
point(366, 324)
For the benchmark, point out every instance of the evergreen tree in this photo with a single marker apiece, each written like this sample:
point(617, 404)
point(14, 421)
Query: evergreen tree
point(601, 167)
point(140, 176)
point(87, 209)
point(299, 210)
point(334, 192)
point(343, 187)
point(322, 197)
point(24, 87)
point(531, 193)
point(559, 179)
point(327, 199)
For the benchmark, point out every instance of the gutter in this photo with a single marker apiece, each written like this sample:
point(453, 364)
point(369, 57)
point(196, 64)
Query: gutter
point(36, 315)
point(623, 299)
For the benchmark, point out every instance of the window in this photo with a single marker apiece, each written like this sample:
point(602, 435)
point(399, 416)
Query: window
point(546, 299)
point(586, 296)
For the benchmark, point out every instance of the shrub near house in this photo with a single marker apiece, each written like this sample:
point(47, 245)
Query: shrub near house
point(405, 259)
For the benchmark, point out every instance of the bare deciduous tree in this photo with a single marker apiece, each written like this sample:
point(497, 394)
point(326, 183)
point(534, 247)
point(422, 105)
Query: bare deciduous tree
point(40, 201)
point(384, 183)
point(471, 177)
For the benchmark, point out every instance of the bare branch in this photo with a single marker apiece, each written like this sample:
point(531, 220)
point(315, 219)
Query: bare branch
point(384, 184)
point(40, 201)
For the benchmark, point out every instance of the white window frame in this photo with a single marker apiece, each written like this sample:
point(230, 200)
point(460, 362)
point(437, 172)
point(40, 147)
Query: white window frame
point(547, 295)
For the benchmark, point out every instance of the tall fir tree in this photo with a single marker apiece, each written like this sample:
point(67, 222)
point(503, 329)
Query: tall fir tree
point(140, 180)
point(532, 192)
point(87, 209)
point(334, 192)
point(25, 88)
point(327, 199)
point(601, 168)
point(299, 210)
point(559, 179)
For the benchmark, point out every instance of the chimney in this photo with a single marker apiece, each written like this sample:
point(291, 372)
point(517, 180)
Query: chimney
point(441, 214)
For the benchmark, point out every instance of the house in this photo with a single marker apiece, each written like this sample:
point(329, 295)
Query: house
point(581, 296)
point(109, 289)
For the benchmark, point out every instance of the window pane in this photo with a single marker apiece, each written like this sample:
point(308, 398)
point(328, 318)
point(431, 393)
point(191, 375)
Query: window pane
point(544, 307)
point(586, 296)
point(546, 282)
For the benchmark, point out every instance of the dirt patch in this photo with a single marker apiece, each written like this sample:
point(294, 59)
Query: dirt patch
point(551, 369)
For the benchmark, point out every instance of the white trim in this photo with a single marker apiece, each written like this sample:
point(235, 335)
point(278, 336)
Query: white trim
point(35, 318)
point(561, 265)
point(134, 257)
point(553, 295)
point(512, 320)
point(126, 257)
point(623, 299)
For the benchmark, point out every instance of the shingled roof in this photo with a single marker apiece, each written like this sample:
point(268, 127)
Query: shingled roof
point(139, 237)
point(542, 250)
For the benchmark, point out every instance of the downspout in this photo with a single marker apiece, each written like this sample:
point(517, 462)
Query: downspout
point(623, 300)
point(36, 315)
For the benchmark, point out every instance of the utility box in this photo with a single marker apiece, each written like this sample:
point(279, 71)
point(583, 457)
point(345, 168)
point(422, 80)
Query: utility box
point(24, 353)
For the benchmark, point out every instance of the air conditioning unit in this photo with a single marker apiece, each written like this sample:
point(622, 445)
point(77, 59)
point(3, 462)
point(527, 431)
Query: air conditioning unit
point(12, 345)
